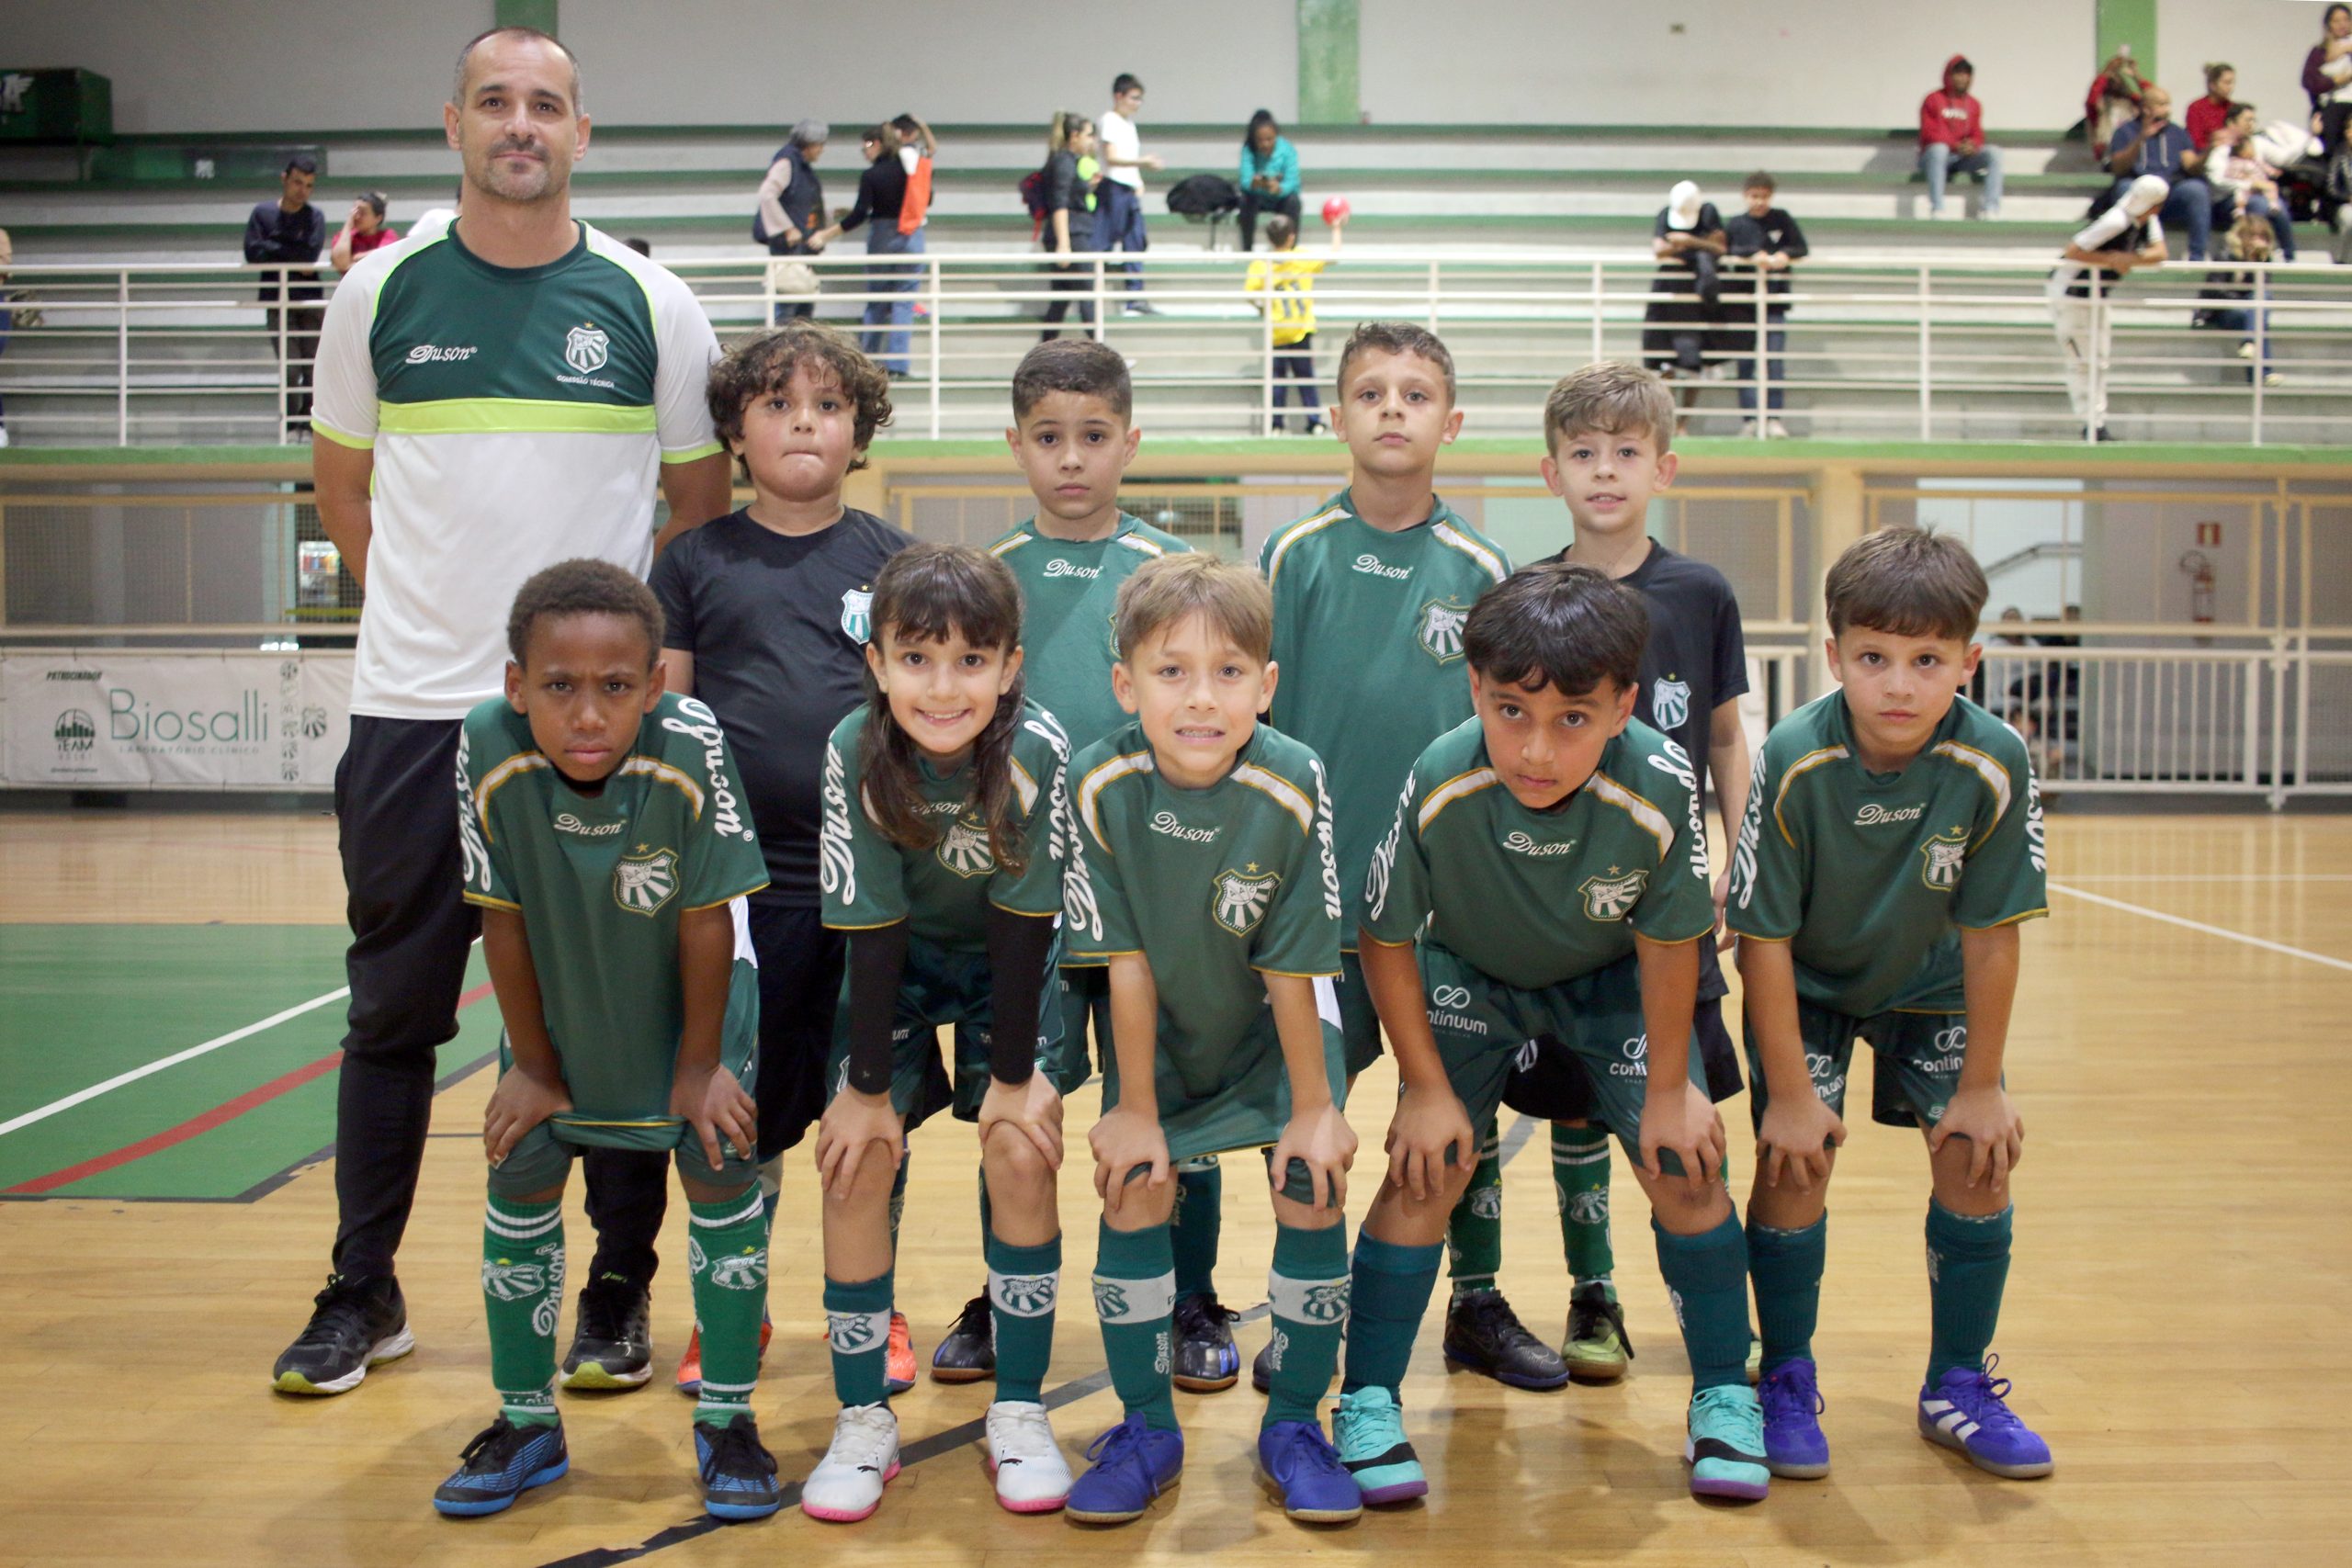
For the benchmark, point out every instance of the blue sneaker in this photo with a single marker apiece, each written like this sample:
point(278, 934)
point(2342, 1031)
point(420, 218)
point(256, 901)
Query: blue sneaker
point(1304, 1470)
point(1725, 1448)
point(738, 1471)
point(1369, 1431)
point(1965, 1410)
point(1129, 1465)
point(502, 1463)
point(1793, 1445)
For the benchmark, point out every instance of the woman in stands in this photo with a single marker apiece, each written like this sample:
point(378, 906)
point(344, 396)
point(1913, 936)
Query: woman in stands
point(1269, 175)
point(364, 231)
point(1070, 177)
point(2327, 75)
point(2209, 113)
point(881, 193)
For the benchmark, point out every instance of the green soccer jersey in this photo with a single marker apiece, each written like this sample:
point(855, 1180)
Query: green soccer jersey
point(1871, 876)
point(943, 892)
point(1368, 634)
point(1215, 887)
point(601, 881)
point(1069, 593)
point(1535, 898)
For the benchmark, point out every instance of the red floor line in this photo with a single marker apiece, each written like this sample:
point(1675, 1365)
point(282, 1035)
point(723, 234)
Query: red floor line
point(195, 1127)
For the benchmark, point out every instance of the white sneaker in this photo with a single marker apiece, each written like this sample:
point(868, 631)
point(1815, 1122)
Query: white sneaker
point(2246, 349)
point(1748, 432)
point(2272, 379)
point(1031, 1476)
point(1935, 215)
point(847, 1483)
point(4, 435)
point(1776, 430)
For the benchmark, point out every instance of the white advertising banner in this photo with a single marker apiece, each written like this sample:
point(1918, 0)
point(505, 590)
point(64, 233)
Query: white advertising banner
point(119, 718)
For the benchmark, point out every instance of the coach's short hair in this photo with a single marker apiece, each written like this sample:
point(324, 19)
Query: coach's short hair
point(1074, 365)
point(466, 55)
point(1906, 582)
point(764, 363)
point(1397, 337)
point(1233, 597)
point(1559, 625)
point(1610, 398)
point(583, 587)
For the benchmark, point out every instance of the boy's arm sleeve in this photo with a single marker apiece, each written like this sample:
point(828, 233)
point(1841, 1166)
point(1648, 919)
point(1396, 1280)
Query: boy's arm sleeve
point(723, 858)
point(672, 587)
point(1731, 650)
point(343, 400)
point(861, 876)
point(489, 879)
point(1095, 915)
point(2005, 878)
point(1300, 932)
point(1794, 246)
point(1678, 903)
point(1396, 886)
point(1768, 865)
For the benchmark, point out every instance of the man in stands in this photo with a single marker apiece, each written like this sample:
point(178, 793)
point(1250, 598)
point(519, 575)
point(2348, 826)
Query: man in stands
point(2156, 145)
point(1952, 140)
point(290, 229)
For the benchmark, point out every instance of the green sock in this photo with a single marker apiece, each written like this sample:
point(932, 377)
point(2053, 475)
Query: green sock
point(857, 1322)
point(1474, 1234)
point(1199, 1205)
point(1135, 1297)
point(1388, 1294)
point(1968, 1264)
point(522, 1291)
point(1024, 1283)
point(1308, 1291)
point(899, 1201)
point(727, 1250)
point(1786, 1266)
point(1706, 1277)
point(1580, 1177)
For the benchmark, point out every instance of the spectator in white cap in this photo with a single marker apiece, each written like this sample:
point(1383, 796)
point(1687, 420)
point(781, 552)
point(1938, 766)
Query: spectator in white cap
point(1679, 332)
point(2123, 233)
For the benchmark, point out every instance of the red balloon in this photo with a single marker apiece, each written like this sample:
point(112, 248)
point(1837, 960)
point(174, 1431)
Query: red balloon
point(1336, 209)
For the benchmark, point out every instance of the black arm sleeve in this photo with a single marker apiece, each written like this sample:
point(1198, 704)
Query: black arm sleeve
point(878, 961)
point(1018, 946)
point(863, 209)
point(1793, 246)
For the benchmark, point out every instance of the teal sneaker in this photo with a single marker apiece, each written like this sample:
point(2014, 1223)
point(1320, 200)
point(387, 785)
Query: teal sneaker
point(1369, 1431)
point(1725, 1448)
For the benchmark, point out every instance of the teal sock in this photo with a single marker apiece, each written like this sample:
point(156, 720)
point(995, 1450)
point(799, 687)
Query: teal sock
point(1308, 1290)
point(1706, 1276)
point(1023, 1284)
point(1135, 1297)
point(1968, 1264)
point(898, 1202)
point(857, 1322)
point(1388, 1294)
point(1580, 1177)
point(1787, 1266)
point(521, 1292)
point(1474, 1234)
point(727, 1250)
point(1200, 1214)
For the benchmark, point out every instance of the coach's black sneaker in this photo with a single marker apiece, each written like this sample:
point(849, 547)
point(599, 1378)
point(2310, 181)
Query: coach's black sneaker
point(1483, 1333)
point(968, 1353)
point(1206, 1360)
point(355, 1325)
point(612, 1337)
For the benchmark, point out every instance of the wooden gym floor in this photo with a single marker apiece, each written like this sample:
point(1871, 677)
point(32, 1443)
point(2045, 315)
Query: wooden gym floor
point(2176, 1319)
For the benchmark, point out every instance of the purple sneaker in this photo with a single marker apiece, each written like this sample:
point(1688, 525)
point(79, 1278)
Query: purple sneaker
point(1965, 1410)
point(1793, 1445)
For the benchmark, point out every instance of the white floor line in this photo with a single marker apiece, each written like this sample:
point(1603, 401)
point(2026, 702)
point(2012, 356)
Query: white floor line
point(2200, 926)
point(2217, 876)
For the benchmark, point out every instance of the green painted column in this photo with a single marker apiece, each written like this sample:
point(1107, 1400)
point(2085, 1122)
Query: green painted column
point(539, 14)
point(1328, 59)
point(2118, 22)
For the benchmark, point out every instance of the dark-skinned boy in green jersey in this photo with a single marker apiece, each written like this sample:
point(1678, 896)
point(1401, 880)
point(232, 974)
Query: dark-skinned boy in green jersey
point(1893, 844)
point(1544, 877)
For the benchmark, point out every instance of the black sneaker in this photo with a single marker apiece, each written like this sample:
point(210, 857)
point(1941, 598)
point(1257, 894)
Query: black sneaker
point(502, 1463)
point(738, 1471)
point(355, 1325)
point(612, 1339)
point(1261, 1370)
point(968, 1353)
point(1206, 1360)
point(1483, 1333)
point(1598, 1346)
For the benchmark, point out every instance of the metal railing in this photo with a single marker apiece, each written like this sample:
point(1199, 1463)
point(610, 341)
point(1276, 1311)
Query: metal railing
point(1946, 348)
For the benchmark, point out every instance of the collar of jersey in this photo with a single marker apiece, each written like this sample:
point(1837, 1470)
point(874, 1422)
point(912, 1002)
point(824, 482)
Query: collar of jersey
point(1439, 512)
point(1127, 524)
point(520, 274)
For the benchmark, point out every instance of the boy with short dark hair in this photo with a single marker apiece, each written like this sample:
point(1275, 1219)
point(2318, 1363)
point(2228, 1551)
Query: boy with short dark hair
point(611, 860)
point(1545, 860)
point(1891, 844)
point(1202, 874)
point(767, 622)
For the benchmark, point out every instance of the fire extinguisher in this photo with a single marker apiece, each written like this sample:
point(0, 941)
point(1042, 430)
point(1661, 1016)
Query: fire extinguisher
point(2199, 572)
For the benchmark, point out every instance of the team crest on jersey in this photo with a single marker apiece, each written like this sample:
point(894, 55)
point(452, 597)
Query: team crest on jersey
point(1944, 855)
point(1669, 703)
point(1242, 900)
point(1612, 897)
point(857, 613)
point(1440, 629)
point(643, 881)
point(964, 850)
point(586, 347)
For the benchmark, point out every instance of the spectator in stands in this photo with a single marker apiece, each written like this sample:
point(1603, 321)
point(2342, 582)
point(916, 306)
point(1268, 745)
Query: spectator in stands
point(2327, 75)
point(917, 146)
point(2247, 240)
point(1761, 240)
point(364, 231)
point(8, 318)
point(1952, 140)
point(2207, 114)
point(1118, 214)
point(2113, 100)
point(2124, 233)
point(1679, 332)
point(1070, 214)
point(2155, 145)
point(290, 229)
point(2244, 185)
point(1268, 175)
point(2335, 187)
point(881, 194)
point(792, 203)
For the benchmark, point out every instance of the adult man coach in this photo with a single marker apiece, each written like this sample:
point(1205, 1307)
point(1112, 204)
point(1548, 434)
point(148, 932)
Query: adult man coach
point(488, 402)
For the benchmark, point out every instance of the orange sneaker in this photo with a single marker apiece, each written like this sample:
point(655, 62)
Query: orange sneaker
point(690, 1364)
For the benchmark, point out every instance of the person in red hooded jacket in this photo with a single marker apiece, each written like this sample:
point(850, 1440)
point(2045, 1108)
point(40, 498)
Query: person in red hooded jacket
point(1952, 140)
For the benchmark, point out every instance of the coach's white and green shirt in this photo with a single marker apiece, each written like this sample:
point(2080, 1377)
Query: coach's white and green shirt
point(1069, 599)
point(1871, 877)
point(518, 417)
point(1535, 898)
point(1368, 633)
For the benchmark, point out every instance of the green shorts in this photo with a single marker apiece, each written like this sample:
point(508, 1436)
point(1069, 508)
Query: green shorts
point(1359, 1020)
point(1485, 1030)
point(1917, 1071)
point(1085, 1000)
point(939, 987)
